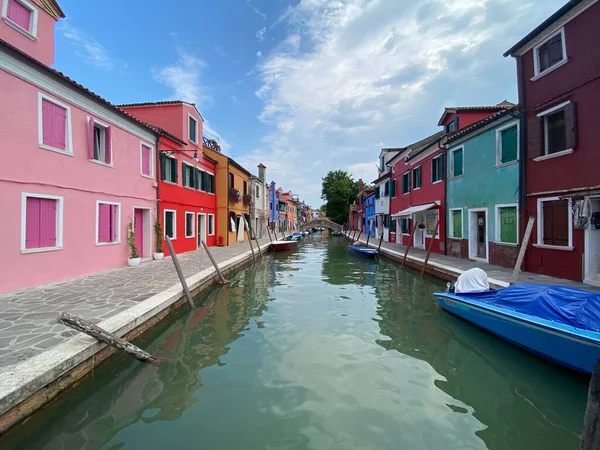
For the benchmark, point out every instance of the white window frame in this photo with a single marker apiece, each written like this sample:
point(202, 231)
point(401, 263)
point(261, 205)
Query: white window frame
point(499, 131)
point(412, 177)
point(118, 241)
point(540, 225)
point(210, 217)
point(196, 121)
point(32, 33)
point(440, 156)
point(105, 126)
point(451, 223)
point(69, 138)
point(437, 236)
point(176, 168)
point(536, 60)
point(174, 222)
point(451, 162)
point(187, 235)
point(497, 224)
point(59, 222)
point(399, 225)
point(152, 158)
point(543, 115)
point(185, 163)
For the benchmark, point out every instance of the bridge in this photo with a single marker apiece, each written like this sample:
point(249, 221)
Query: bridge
point(325, 223)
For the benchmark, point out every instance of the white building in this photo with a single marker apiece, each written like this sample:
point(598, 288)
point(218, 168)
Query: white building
point(260, 204)
point(382, 194)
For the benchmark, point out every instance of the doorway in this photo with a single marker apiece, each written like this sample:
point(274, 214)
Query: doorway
point(592, 242)
point(419, 238)
point(240, 228)
point(201, 232)
point(141, 229)
point(478, 235)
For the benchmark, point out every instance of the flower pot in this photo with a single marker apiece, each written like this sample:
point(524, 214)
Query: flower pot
point(134, 261)
point(158, 256)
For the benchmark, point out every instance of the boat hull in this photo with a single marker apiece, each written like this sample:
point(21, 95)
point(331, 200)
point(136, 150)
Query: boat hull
point(564, 345)
point(279, 246)
point(363, 251)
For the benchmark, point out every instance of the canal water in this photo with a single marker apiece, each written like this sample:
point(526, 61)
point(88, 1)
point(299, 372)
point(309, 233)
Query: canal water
point(317, 349)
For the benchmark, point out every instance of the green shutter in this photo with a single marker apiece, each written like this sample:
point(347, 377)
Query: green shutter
point(441, 167)
point(163, 167)
point(509, 145)
point(508, 225)
point(457, 224)
point(457, 156)
point(169, 224)
point(175, 170)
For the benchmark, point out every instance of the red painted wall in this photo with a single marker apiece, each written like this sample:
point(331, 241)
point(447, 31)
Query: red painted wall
point(400, 201)
point(467, 118)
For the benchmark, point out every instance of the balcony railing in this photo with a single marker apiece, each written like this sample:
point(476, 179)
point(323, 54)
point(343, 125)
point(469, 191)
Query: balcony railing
point(211, 144)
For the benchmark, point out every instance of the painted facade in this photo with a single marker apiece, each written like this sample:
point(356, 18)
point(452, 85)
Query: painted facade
point(559, 89)
point(369, 208)
point(259, 209)
point(187, 200)
point(238, 212)
point(77, 179)
point(482, 202)
point(382, 195)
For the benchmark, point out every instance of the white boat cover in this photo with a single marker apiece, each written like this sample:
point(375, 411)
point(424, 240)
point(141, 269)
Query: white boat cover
point(414, 209)
point(473, 280)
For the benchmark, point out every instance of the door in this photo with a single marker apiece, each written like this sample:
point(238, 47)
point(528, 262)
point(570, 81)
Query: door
point(481, 234)
point(420, 232)
point(201, 232)
point(240, 229)
point(138, 226)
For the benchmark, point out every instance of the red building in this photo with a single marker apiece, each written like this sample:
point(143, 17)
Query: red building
point(417, 187)
point(559, 90)
point(186, 187)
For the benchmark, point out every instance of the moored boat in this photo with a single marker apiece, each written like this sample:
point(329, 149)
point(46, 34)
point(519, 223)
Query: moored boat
point(284, 245)
point(336, 233)
point(365, 252)
point(558, 323)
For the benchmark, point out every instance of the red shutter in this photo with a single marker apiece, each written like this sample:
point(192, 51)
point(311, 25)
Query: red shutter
point(108, 144)
point(32, 225)
point(535, 145)
point(91, 138)
point(103, 222)
point(561, 222)
point(571, 125)
point(47, 222)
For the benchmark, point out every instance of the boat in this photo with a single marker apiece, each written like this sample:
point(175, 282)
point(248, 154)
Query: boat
point(279, 246)
point(558, 323)
point(336, 233)
point(363, 251)
point(293, 237)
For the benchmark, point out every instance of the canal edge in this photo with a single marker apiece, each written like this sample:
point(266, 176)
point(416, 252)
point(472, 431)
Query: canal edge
point(31, 384)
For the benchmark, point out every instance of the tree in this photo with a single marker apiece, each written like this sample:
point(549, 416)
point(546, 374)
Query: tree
point(338, 190)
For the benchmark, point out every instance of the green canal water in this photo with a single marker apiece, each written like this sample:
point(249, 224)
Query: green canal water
point(317, 349)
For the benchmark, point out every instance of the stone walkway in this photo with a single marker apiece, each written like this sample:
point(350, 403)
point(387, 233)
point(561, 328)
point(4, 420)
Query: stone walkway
point(28, 317)
point(495, 272)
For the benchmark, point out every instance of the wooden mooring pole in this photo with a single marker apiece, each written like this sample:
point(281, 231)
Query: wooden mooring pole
point(522, 250)
point(590, 439)
point(380, 241)
point(410, 242)
point(179, 272)
point(222, 279)
point(368, 236)
point(437, 225)
point(269, 233)
point(249, 234)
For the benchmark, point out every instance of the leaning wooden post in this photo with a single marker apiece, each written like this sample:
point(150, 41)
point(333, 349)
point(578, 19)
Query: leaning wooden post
point(269, 234)
point(380, 241)
point(524, 244)
point(102, 335)
point(249, 234)
point(410, 242)
point(179, 272)
point(437, 225)
point(590, 440)
point(222, 279)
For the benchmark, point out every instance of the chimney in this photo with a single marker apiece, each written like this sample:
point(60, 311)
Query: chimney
point(262, 172)
point(360, 185)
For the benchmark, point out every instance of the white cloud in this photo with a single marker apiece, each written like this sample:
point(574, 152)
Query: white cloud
point(88, 48)
point(256, 10)
point(184, 78)
point(258, 54)
point(260, 34)
point(353, 73)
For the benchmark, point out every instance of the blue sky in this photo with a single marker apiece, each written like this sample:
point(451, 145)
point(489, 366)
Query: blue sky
point(303, 86)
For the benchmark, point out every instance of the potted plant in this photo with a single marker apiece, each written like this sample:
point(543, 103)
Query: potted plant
point(247, 199)
point(134, 257)
point(159, 254)
point(235, 195)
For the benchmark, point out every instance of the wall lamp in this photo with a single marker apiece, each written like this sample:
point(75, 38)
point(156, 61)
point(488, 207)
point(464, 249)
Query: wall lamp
point(170, 152)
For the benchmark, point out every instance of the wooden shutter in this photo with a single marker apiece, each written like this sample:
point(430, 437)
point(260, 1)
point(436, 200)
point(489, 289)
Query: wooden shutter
point(535, 132)
point(175, 170)
point(108, 145)
point(32, 225)
point(163, 167)
point(60, 130)
point(571, 125)
point(561, 222)
point(114, 222)
point(19, 14)
point(104, 222)
point(91, 138)
point(47, 222)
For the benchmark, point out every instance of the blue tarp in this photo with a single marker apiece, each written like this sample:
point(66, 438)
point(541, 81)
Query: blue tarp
point(574, 307)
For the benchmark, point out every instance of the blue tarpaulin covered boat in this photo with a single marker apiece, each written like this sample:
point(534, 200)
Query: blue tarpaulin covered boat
point(558, 323)
point(363, 251)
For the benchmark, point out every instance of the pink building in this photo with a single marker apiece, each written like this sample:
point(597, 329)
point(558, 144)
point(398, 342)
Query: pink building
point(76, 169)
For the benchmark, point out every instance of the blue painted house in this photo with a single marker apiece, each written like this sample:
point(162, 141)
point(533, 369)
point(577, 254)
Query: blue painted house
point(482, 191)
point(369, 206)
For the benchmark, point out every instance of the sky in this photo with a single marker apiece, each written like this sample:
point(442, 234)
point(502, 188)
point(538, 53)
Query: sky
point(302, 86)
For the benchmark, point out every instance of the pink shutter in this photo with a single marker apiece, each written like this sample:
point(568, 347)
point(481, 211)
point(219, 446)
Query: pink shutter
point(145, 160)
point(47, 222)
point(103, 223)
point(114, 223)
point(47, 122)
point(91, 138)
point(108, 145)
point(32, 225)
point(60, 117)
point(54, 125)
point(19, 14)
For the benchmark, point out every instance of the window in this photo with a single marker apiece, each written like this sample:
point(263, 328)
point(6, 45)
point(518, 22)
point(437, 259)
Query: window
point(456, 223)
point(232, 221)
point(554, 222)
point(452, 125)
point(549, 53)
point(377, 192)
point(146, 160)
point(437, 169)
point(245, 188)
point(554, 133)
point(405, 225)
point(431, 223)
point(210, 183)
point(99, 142)
point(382, 163)
point(54, 126)
point(189, 175)
point(386, 220)
point(392, 224)
point(168, 168)
point(231, 181)
point(416, 178)
point(386, 189)
point(507, 224)
point(507, 144)
point(189, 225)
point(257, 192)
point(211, 224)
point(41, 222)
point(192, 129)
point(171, 223)
point(108, 223)
point(406, 183)
point(392, 188)
point(22, 16)
point(456, 162)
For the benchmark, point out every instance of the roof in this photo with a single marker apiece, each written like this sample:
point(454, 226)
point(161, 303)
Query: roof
point(234, 163)
point(458, 109)
point(482, 123)
point(542, 26)
point(161, 103)
point(416, 145)
point(52, 8)
point(382, 177)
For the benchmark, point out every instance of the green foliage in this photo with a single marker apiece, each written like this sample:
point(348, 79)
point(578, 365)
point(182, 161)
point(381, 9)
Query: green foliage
point(159, 236)
point(131, 241)
point(338, 190)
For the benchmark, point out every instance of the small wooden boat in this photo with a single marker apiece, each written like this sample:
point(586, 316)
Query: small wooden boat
point(365, 252)
point(279, 246)
point(558, 323)
point(336, 233)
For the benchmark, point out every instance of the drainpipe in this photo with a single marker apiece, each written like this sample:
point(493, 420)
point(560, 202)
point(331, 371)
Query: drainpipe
point(522, 142)
point(445, 164)
point(157, 177)
point(227, 197)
